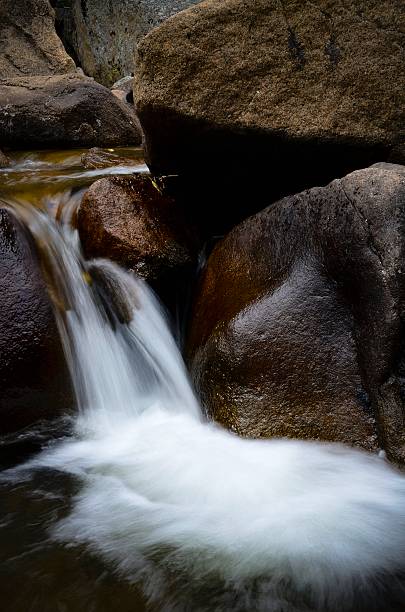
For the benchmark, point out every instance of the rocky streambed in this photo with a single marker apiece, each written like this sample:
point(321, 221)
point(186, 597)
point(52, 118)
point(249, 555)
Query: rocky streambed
point(246, 160)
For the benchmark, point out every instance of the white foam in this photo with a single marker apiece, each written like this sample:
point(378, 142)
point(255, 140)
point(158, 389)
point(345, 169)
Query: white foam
point(162, 487)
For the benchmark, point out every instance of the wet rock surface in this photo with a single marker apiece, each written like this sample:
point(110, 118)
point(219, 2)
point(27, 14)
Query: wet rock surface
point(29, 44)
point(294, 93)
point(130, 220)
point(297, 325)
point(34, 382)
point(63, 111)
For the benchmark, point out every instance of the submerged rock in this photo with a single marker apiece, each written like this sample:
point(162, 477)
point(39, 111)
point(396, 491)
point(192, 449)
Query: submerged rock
point(98, 158)
point(34, 382)
point(29, 44)
point(63, 111)
point(129, 220)
point(297, 325)
point(293, 93)
point(104, 35)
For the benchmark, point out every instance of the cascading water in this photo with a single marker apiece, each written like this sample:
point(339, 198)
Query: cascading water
point(203, 519)
point(122, 359)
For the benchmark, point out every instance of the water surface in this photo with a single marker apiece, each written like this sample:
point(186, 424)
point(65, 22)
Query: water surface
point(139, 503)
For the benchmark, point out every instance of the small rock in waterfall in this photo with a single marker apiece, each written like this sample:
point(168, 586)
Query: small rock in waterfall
point(296, 327)
point(118, 301)
point(34, 381)
point(130, 220)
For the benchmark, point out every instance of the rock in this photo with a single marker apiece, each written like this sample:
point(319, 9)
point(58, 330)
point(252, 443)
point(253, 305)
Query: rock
point(129, 220)
point(4, 160)
point(103, 35)
point(98, 158)
point(297, 325)
point(63, 111)
point(29, 44)
point(34, 382)
point(125, 84)
point(123, 89)
point(290, 92)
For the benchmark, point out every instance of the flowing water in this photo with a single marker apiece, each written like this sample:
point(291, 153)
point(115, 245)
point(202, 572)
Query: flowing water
point(146, 506)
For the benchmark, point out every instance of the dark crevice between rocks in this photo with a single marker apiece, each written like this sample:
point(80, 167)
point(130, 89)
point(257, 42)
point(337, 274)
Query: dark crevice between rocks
point(366, 224)
point(64, 26)
point(333, 51)
point(248, 169)
point(294, 45)
point(388, 396)
point(83, 4)
point(296, 48)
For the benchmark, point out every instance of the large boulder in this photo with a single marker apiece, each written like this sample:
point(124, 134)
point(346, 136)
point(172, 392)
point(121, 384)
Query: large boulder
point(297, 325)
point(103, 35)
point(296, 92)
point(34, 382)
point(129, 220)
point(29, 44)
point(63, 111)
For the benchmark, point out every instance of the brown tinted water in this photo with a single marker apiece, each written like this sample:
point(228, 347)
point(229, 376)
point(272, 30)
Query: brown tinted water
point(42, 178)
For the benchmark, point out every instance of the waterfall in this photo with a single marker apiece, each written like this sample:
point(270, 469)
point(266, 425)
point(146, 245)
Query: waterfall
point(184, 506)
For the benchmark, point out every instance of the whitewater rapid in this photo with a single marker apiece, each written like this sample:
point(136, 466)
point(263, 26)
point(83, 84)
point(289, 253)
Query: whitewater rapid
point(168, 498)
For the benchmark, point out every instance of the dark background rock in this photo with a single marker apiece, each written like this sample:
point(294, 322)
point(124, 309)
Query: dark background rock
point(29, 44)
point(34, 381)
point(297, 326)
point(130, 220)
point(287, 95)
point(63, 111)
point(102, 36)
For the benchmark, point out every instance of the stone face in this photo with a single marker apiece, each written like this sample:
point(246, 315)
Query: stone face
point(297, 325)
point(63, 111)
point(104, 35)
point(297, 93)
point(34, 382)
point(128, 220)
point(29, 44)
